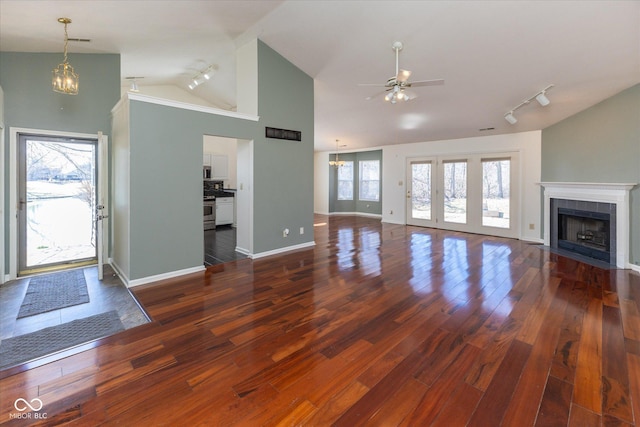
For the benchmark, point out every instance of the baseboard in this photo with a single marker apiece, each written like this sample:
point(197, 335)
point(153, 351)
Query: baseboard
point(532, 240)
point(368, 215)
point(155, 278)
point(281, 250)
point(634, 267)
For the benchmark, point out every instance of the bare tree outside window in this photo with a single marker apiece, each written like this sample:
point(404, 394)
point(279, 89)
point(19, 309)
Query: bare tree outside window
point(496, 192)
point(369, 188)
point(345, 181)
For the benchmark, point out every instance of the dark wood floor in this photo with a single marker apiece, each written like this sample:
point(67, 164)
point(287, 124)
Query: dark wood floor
point(378, 324)
point(220, 245)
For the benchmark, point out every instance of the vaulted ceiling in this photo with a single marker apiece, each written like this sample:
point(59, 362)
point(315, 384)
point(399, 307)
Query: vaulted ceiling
point(491, 54)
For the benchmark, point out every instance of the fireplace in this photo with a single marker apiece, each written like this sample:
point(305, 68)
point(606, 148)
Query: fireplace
point(584, 232)
point(590, 219)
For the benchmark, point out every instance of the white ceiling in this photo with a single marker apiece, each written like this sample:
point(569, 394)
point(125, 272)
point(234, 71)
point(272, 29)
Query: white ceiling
point(492, 55)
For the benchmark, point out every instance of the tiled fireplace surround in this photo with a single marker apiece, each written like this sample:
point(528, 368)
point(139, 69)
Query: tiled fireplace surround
point(595, 197)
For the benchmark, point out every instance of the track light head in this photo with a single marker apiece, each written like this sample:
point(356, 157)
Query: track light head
point(510, 118)
point(542, 99)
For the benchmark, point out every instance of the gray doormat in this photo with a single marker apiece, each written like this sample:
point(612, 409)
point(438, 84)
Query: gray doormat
point(24, 348)
point(54, 291)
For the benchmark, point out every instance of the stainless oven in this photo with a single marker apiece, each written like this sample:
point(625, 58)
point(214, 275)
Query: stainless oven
point(209, 213)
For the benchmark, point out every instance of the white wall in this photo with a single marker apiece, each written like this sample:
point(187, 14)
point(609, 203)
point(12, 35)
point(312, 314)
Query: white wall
point(173, 93)
point(321, 182)
point(394, 174)
point(228, 147)
point(120, 187)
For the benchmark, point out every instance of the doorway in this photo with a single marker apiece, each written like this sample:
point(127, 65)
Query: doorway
point(56, 202)
point(476, 193)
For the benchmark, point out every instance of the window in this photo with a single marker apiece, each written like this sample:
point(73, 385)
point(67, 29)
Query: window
point(369, 189)
point(495, 192)
point(455, 191)
point(345, 181)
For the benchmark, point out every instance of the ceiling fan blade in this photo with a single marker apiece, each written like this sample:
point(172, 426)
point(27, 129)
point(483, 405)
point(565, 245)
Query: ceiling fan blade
point(410, 94)
point(403, 76)
point(420, 83)
point(372, 84)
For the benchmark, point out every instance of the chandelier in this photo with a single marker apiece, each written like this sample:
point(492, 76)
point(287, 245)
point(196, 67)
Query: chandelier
point(337, 162)
point(64, 79)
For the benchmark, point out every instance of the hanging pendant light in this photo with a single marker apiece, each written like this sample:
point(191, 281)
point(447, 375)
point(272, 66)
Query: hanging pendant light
point(65, 80)
point(337, 162)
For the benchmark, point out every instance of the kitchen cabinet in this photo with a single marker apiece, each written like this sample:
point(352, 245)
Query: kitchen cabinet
point(219, 166)
point(206, 159)
point(224, 210)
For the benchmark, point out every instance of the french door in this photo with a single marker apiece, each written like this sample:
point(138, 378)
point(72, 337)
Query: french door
point(476, 193)
point(57, 215)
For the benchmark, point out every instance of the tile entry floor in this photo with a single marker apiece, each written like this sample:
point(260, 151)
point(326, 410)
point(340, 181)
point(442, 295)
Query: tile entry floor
point(108, 294)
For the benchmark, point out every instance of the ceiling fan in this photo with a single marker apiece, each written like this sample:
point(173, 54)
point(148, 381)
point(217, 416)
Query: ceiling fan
point(396, 86)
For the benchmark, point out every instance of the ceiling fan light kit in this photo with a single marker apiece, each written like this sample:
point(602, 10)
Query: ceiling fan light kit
point(396, 86)
point(64, 79)
point(541, 97)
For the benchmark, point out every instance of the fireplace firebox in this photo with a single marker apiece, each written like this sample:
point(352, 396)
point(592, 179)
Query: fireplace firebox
point(586, 233)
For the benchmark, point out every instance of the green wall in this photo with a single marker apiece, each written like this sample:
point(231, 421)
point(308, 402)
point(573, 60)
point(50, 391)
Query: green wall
point(29, 101)
point(354, 205)
point(283, 170)
point(166, 184)
point(166, 172)
point(600, 144)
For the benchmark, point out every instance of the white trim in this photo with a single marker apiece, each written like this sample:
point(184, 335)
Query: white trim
point(368, 215)
point(282, 250)
point(386, 221)
point(532, 240)
point(13, 185)
point(163, 276)
point(185, 106)
point(634, 267)
point(615, 193)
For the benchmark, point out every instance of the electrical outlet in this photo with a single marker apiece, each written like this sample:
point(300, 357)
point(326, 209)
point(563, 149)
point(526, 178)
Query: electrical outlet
point(301, 230)
point(532, 226)
point(285, 232)
point(391, 212)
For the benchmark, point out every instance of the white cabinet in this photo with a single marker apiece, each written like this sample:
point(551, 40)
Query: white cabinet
point(206, 159)
point(219, 166)
point(224, 210)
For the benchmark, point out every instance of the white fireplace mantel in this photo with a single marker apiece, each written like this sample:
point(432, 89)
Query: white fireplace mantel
point(615, 193)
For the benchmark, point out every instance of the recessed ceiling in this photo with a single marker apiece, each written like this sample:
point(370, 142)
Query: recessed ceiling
point(492, 55)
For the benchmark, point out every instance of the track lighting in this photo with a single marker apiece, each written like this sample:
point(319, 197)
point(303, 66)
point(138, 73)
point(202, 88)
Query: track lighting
point(541, 97)
point(202, 76)
point(134, 84)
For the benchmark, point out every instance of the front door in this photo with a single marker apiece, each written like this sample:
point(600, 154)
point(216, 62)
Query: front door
point(57, 202)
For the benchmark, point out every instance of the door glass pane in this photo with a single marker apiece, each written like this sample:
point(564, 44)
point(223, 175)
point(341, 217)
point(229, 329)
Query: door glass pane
point(455, 192)
point(421, 190)
point(60, 202)
point(495, 193)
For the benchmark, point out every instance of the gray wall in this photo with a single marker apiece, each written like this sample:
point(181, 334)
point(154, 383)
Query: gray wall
point(600, 144)
point(283, 170)
point(166, 185)
point(166, 171)
point(31, 103)
point(355, 205)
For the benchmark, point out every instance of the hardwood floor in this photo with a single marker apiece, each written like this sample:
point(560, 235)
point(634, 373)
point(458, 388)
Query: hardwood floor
point(220, 246)
point(378, 324)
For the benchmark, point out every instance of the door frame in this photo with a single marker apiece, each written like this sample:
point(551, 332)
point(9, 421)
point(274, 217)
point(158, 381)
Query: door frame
point(474, 192)
point(13, 185)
